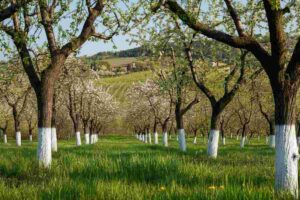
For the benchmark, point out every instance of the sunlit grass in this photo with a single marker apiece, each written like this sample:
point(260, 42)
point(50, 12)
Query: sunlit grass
point(120, 167)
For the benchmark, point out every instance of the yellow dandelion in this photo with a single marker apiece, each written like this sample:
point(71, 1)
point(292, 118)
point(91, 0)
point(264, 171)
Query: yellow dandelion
point(212, 187)
point(222, 187)
point(162, 188)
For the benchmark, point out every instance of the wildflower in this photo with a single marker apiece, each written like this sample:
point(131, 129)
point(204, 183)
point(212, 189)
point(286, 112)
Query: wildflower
point(162, 188)
point(212, 187)
point(222, 187)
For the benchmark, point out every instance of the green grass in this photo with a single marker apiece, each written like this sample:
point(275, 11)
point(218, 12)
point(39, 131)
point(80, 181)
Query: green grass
point(120, 167)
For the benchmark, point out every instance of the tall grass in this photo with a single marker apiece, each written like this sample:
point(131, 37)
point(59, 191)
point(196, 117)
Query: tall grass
point(120, 167)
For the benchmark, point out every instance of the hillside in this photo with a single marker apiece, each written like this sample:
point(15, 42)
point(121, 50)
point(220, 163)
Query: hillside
point(118, 85)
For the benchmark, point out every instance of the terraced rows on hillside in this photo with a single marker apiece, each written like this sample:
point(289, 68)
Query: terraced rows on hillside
point(119, 85)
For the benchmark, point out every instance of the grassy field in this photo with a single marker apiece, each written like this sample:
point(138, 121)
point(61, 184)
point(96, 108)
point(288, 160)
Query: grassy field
point(120, 167)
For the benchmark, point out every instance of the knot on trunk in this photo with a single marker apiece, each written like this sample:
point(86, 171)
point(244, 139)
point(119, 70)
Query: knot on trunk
point(296, 157)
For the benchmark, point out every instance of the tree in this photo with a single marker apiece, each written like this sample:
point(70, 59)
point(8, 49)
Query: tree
point(281, 65)
point(15, 91)
point(60, 45)
point(5, 111)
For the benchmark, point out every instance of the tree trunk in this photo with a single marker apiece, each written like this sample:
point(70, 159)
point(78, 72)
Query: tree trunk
point(272, 134)
point(4, 138)
point(286, 159)
point(18, 133)
point(53, 126)
point(45, 101)
point(180, 130)
point(86, 132)
point(165, 134)
point(30, 134)
point(243, 139)
point(213, 141)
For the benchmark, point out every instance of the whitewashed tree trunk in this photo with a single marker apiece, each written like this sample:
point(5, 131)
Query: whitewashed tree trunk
point(30, 138)
point(242, 144)
point(155, 138)
point(149, 138)
point(44, 147)
point(258, 138)
point(286, 159)
point(272, 141)
point(224, 141)
point(5, 139)
point(237, 137)
point(53, 139)
point(140, 137)
point(136, 136)
point(213, 143)
point(181, 137)
point(195, 140)
point(78, 139)
point(177, 139)
point(267, 140)
point(165, 139)
point(146, 137)
point(18, 138)
point(87, 138)
point(231, 135)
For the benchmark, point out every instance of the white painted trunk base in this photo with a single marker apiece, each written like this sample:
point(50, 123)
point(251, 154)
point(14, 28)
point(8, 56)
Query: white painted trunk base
point(5, 139)
point(237, 137)
point(231, 135)
point(149, 138)
point(53, 139)
point(87, 138)
point(267, 140)
point(146, 138)
point(30, 138)
point(224, 141)
point(213, 143)
point(181, 137)
point(177, 139)
point(18, 139)
point(136, 136)
point(155, 138)
point(44, 147)
point(286, 159)
point(272, 141)
point(78, 138)
point(165, 139)
point(140, 137)
point(242, 143)
point(195, 140)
